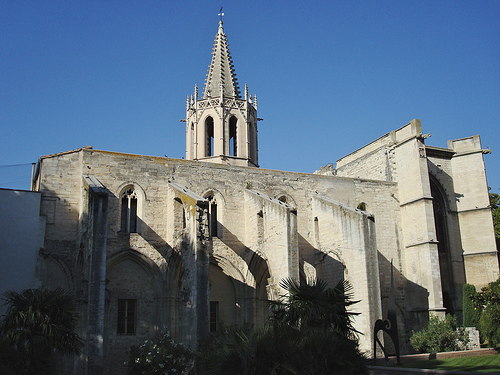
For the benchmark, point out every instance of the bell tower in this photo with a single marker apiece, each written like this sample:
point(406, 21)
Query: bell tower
point(221, 127)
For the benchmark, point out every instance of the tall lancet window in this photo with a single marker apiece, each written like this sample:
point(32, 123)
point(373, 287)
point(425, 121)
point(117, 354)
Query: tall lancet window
point(212, 211)
point(129, 211)
point(209, 130)
point(233, 143)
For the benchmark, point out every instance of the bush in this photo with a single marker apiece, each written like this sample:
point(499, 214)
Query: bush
point(489, 325)
point(164, 357)
point(280, 349)
point(440, 336)
point(39, 325)
point(488, 300)
point(471, 314)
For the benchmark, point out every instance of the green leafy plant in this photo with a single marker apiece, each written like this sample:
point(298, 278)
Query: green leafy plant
point(488, 301)
point(471, 313)
point(313, 305)
point(163, 356)
point(495, 211)
point(38, 325)
point(310, 332)
point(441, 335)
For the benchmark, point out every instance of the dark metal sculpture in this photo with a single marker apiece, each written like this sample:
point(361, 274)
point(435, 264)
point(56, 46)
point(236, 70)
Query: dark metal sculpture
point(389, 325)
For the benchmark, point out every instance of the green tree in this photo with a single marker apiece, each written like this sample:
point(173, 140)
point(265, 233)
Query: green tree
point(495, 210)
point(312, 305)
point(310, 332)
point(488, 301)
point(471, 313)
point(38, 325)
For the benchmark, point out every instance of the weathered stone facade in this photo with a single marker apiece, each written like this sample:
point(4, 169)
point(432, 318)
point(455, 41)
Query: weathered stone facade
point(152, 243)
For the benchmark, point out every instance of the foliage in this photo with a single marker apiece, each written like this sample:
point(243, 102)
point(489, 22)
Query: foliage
point(163, 356)
point(488, 300)
point(495, 210)
point(310, 332)
point(471, 314)
point(441, 335)
point(38, 324)
point(310, 306)
point(280, 350)
point(264, 350)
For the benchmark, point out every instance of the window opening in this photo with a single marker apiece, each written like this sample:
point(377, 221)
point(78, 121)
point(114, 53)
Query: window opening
point(316, 232)
point(212, 212)
point(260, 225)
point(233, 144)
point(209, 128)
point(179, 213)
point(128, 222)
point(126, 316)
point(214, 314)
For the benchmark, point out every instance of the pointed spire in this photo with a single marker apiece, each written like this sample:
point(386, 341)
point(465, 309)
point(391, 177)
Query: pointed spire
point(221, 78)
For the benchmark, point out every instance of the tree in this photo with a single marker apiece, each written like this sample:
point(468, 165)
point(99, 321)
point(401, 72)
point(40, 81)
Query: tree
point(488, 301)
point(310, 332)
point(471, 314)
point(38, 325)
point(495, 211)
point(313, 305)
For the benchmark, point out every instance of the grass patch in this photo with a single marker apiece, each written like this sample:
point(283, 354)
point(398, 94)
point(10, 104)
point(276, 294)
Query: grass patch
point(480, 363)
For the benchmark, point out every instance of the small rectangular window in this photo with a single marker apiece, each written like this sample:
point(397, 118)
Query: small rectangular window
point(126, 316)
point(214, 314)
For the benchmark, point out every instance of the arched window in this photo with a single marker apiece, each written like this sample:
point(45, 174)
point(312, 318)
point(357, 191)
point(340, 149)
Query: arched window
point(128, 222)
point(233, 144)
point(439, 203)
point(209, 130)
point(212, 212)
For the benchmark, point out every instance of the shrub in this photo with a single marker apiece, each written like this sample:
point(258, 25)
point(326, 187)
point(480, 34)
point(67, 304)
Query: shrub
point(489, 325)
point(164, 357)
point(280, 350)
point(440, 336)
point(471, 313)
point(488, 300)
point(310, 332)
point(39, 325)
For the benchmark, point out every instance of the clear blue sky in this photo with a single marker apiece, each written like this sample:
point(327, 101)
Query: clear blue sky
point(330, 76)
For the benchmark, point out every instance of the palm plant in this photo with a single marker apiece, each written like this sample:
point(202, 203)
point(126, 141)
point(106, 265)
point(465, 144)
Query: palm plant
point(312, 305)
point(39, 323)
point(310, 332)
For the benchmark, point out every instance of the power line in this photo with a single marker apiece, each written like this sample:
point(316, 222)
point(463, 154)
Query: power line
point(15, 165)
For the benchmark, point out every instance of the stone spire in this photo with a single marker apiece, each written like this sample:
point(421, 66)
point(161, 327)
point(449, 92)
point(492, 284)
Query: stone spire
point(221, 79)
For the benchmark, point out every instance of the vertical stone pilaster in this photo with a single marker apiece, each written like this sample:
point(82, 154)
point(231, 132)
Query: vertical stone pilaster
point(98, 200)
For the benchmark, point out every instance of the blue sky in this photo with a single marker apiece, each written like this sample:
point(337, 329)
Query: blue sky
point(330, 76)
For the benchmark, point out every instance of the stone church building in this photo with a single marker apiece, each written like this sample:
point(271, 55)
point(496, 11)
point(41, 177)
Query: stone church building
point(191, 245)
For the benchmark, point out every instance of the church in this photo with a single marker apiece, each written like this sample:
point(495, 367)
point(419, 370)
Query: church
point(190, 246)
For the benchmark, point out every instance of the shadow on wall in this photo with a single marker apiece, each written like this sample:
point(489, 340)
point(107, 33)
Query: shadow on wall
point(408, 297)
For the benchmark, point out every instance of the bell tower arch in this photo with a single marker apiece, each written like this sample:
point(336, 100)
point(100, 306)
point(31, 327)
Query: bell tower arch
point(221, 126)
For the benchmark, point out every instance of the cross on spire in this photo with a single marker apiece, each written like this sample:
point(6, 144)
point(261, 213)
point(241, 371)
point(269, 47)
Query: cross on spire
point(220, 14)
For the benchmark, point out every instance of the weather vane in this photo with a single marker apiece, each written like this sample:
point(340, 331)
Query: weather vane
point(220, 13)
